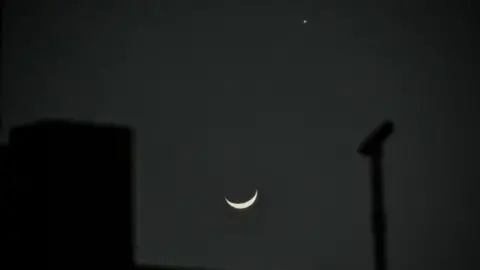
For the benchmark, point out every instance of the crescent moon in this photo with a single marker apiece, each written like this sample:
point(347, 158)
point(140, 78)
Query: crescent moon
point(243, 205)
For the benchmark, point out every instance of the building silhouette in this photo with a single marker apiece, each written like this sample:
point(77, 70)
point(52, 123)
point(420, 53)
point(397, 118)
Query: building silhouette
point(70, 187)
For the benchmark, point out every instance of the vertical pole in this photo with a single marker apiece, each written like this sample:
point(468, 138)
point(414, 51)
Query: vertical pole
point(378, 213)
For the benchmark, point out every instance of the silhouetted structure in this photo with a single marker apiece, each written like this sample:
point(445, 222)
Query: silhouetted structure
point(5, 224)
point(372, 147)
point(72, 196)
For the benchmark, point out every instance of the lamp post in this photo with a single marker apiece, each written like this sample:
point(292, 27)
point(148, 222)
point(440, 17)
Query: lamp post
point(372, 147)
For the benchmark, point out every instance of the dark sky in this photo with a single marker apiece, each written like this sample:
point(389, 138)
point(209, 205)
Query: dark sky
point(227, 98)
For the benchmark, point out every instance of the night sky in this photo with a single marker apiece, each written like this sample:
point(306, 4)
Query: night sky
point(228, 98)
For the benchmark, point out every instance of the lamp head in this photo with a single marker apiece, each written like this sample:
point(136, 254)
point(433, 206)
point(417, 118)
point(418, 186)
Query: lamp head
point(374, 142)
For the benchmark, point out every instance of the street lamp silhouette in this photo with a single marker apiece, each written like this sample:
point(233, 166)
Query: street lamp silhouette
point(372, 147)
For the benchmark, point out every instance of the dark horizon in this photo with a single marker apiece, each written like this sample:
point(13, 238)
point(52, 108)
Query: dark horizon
point(170, 267)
